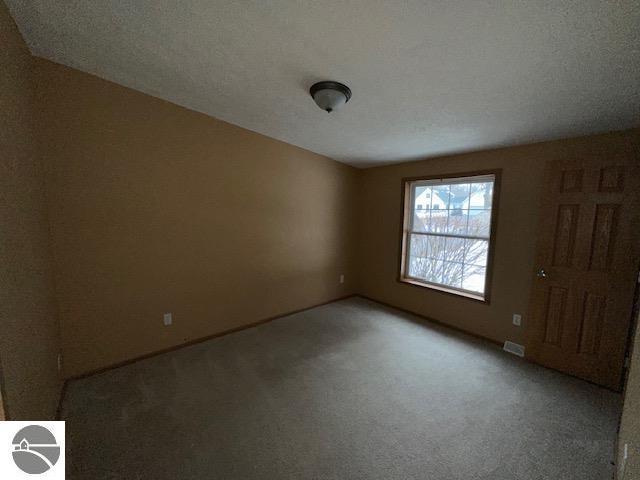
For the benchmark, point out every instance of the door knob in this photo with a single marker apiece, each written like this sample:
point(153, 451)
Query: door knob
point(542, 273)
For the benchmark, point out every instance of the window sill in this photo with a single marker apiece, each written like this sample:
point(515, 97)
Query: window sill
point(443, 289)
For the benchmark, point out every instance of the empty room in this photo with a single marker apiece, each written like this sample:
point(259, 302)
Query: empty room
point(294, 239)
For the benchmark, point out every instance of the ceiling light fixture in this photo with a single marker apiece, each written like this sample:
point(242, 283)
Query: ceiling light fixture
point(330, 95)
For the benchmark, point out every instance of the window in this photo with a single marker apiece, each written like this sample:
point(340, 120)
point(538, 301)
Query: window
point(447, 245)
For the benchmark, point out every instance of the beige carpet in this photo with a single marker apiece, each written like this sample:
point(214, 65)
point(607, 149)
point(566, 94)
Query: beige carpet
point(350, 390)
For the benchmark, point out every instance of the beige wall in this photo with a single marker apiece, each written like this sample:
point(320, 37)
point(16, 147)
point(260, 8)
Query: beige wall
point(379, 240)
point(155, 208)
point(630, 425)
point(29, 337)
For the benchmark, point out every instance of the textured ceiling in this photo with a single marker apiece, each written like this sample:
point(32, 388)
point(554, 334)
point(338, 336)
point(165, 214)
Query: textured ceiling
point(428, 77)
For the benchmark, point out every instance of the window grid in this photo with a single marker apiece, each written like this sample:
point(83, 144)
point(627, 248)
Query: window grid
point(443, 261)
point(466, 268)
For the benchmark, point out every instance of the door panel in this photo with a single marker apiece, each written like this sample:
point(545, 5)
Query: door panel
point(565, 235)
point(554, 318)
point(587, 261)
point(604, 228)
point(591, 319)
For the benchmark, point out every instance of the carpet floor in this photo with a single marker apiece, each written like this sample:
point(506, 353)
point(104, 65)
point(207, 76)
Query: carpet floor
point(349, 390)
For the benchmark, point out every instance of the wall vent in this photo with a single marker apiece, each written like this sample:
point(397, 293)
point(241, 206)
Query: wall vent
point(514, 348)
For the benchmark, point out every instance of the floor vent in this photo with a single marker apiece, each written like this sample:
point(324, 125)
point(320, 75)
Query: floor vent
point(514, 348)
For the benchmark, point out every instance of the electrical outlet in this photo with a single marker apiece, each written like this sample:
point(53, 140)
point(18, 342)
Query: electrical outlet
point(626, 451)
point(517, 319)
point(623, 463)
point(167, 319)
point(342, 278)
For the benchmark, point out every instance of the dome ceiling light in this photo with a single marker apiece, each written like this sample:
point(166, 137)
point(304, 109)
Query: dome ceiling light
point(330, 95)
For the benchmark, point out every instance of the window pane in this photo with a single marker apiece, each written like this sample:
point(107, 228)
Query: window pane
point(479, 223)
point(425, 257)
point(454, 250)
point(439, 220)
point(473, 278)
point(480, 196)
point(427, 246)
point(459, 196)
point(428, 269)
point(420, 221)
point(422, 199)
point(440, 197)
point(457, 221)
point(452, 274)
point(476, 252)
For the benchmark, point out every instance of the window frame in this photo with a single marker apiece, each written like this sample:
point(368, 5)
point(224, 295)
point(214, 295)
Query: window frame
point(405, 220)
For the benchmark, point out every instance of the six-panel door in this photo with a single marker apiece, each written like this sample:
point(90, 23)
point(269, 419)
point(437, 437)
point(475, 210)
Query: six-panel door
point(588, 248)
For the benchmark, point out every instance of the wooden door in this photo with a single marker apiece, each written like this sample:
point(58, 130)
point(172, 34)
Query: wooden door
point(587, 262)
